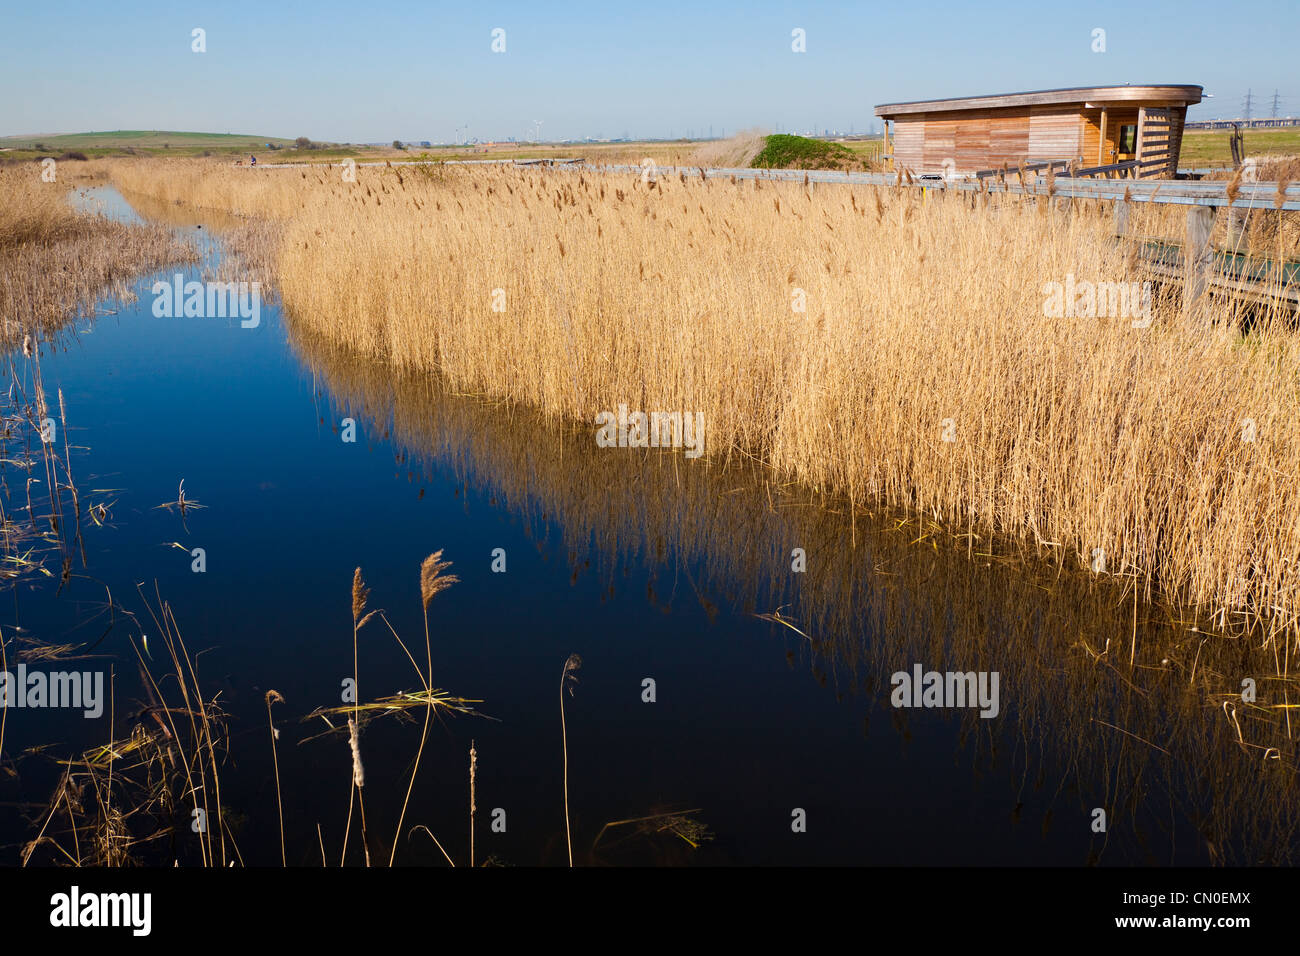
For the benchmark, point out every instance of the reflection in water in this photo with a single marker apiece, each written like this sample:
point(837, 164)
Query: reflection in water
point(236, 248)
point(1105, 702)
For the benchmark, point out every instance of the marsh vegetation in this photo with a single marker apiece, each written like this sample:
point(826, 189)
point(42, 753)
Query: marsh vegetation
point(839, 335)
point(883, 390)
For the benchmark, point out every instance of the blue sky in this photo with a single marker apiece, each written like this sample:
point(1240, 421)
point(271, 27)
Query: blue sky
point(366, 72)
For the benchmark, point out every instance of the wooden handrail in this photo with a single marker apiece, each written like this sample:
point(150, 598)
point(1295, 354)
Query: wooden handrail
point(1027, 167)
point(1106, 170)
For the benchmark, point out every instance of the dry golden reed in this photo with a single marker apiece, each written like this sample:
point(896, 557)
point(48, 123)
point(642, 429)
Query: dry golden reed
point(55, 260)
point(432, 580)
point(923, 371)
point(737, 152)
point(359, 595)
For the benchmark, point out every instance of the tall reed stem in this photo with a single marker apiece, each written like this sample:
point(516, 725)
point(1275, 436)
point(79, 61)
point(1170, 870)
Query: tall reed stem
point(570, 665)
point(273, 697)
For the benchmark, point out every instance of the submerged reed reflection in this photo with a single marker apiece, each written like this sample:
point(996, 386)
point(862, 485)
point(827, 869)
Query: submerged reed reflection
point(1108, 702)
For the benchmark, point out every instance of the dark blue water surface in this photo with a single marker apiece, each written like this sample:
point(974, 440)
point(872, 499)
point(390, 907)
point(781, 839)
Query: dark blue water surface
point(647, 567)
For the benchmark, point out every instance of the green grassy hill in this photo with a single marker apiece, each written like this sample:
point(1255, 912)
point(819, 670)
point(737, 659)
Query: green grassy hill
point(142, 141)
point(783, 151)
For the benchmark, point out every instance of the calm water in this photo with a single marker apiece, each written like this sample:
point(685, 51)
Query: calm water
point(648, 567)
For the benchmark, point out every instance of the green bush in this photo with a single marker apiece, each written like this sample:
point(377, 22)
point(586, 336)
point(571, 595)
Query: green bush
point(784, 151)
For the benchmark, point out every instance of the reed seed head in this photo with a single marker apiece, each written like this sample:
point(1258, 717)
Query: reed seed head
point(1234, 185)
point(359, 595)
point(570, 667)
point(432, 580)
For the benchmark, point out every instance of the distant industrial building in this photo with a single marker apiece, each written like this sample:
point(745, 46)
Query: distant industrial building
point(1265, 122)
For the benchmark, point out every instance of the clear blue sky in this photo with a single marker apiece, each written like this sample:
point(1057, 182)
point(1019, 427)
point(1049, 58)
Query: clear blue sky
point(367, 72)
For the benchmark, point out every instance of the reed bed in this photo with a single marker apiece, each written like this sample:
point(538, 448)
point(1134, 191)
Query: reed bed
point(124, 801)
point(55, 261)
point(1263, 231)
point(737, 152)
point(924, 372)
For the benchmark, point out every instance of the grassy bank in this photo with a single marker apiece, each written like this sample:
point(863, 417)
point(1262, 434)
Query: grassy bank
point(126, 142)
point(1210, 147)
point(172, 144)
point(923, 371)
point(755, 149)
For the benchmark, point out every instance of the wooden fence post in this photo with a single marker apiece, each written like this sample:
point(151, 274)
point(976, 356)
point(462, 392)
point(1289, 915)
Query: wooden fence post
point(1121, 217)
point(1197, 254)
point(1236, 227)
point(1137, 146)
